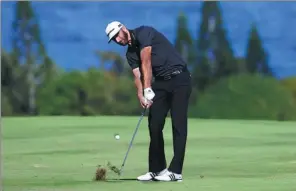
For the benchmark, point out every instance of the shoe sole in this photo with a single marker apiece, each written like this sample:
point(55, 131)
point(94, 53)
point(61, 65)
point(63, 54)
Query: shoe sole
point(146, 180)
point(169, 180)
point(156, 180)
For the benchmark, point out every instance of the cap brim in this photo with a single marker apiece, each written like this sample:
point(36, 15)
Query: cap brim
point(110, 39)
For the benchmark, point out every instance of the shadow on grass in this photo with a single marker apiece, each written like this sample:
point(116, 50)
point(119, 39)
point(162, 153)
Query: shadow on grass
point(120, 180)
point(116, 180)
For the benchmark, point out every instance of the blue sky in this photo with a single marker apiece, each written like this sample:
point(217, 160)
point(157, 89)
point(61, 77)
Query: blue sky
point(73, 31)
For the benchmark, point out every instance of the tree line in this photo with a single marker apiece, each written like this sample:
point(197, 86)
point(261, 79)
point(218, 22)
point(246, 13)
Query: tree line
point(32, 84)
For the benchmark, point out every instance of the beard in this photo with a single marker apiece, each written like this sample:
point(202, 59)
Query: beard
point(125, 40)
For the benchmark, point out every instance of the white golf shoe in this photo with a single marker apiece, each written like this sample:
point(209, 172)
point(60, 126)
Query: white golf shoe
point(150, 175)
point(169, 176)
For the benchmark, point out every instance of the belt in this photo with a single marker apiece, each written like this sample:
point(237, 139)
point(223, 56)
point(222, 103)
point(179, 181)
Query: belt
point(172, 74)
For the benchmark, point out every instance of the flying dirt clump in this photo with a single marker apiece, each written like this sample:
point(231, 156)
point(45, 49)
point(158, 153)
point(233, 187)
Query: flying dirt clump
point(101, 172)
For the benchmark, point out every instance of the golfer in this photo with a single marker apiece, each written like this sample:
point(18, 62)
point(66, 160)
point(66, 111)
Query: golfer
point(149, 55)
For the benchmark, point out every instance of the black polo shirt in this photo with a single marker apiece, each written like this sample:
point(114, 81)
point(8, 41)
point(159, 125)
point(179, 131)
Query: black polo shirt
point(164, 57)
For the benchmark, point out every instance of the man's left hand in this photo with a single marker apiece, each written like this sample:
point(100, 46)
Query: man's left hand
point(149, 95)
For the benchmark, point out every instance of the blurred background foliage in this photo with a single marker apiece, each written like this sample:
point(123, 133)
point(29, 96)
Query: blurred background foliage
point(225, 86)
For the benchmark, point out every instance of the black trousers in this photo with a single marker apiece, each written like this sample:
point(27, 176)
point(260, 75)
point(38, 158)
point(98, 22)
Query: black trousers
point(170, 95)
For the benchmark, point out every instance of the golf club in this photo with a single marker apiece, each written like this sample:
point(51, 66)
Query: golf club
point(131, 142)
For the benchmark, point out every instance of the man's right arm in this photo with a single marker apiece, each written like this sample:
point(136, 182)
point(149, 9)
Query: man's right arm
point(138, 81)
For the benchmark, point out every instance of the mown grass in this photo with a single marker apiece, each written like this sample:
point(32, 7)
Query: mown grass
point(61, 154)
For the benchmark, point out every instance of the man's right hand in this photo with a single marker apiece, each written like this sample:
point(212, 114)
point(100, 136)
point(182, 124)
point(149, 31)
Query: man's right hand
point(144, 102)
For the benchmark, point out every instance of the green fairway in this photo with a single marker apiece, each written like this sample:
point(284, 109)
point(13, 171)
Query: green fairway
point(61, 154)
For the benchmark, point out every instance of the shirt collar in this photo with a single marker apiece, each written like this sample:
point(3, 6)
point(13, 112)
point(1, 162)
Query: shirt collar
point(133, 39)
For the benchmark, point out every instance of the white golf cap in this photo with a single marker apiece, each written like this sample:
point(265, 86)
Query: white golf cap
point(112, 29)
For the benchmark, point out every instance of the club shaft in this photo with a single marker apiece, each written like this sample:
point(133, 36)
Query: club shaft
point(131, 142)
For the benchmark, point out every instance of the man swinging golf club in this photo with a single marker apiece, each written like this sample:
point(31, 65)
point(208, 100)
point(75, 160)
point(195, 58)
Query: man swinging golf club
point(150, 54)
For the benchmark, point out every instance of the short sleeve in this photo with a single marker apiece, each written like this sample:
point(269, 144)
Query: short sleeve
point(145, 37)
point(132, 59)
